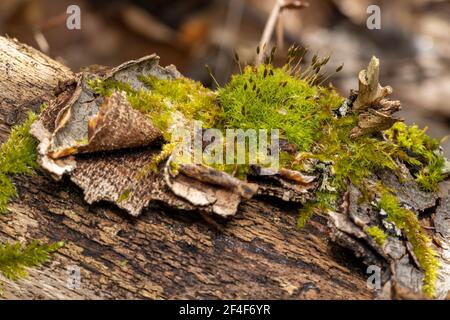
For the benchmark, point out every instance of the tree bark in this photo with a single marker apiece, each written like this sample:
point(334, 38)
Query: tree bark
point(163, 254)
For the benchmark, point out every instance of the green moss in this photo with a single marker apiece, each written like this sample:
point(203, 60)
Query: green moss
point(351, 159)
point(425, 151)
point(15, 258)
point(17, 156)
point(106, 88)
point(269, 98)
point(407, 221)
point(163, 98)
point(355, 159)
point(377, 234)
point(324, 201)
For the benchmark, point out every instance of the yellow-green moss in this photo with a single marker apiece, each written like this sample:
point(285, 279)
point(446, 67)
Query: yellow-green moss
point(106, 88)
point(164, 97)
point(352, 159)
point(17, 156)
point(324, 201)
point(355, 159)
point(377, 234)
point(15, 258)
point(270, 98)
point(407, 221)
point(425, 152)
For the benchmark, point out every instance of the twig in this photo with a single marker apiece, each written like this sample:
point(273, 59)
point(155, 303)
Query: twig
point(271, 23)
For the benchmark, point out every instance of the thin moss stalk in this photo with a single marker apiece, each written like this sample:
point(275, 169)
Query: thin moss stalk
point(15, 258)
point(377, 234)
point(428, 160)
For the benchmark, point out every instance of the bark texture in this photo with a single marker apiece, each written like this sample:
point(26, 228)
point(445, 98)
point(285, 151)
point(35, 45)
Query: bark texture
point(163, 253)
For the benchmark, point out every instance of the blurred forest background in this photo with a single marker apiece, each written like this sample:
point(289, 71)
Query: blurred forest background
point(413, 43)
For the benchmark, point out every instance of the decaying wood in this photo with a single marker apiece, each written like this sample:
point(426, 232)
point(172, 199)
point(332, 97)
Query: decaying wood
point(374, 109)
point(165, 252)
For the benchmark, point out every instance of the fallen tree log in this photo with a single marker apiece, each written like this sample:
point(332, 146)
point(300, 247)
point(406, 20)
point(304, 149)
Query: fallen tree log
point(161, 254)
point(164, 253)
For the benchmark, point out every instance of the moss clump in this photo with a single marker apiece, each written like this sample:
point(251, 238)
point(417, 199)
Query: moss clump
point(355, 159)
point(106, 88)
point(15, 258)
point(17, 156)
point(377, 234)
point(429, 161)
point(270, 98)
point(407, 221)
point(351, 159)
point(163, 99)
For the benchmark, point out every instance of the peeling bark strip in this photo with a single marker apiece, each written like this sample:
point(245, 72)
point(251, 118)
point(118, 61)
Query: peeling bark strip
point(169, 253)
point(163, 254)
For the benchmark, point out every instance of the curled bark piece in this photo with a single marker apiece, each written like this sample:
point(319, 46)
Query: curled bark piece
point(117, 179)
point(211, 190)
point(87, 127)
point(71, 123)
point(130, 71)
point(296, 176)
point(43, 128)
point(71, 132)
point(287, 185)
point(118, 126)
point(55, 167)
point(205, 198)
